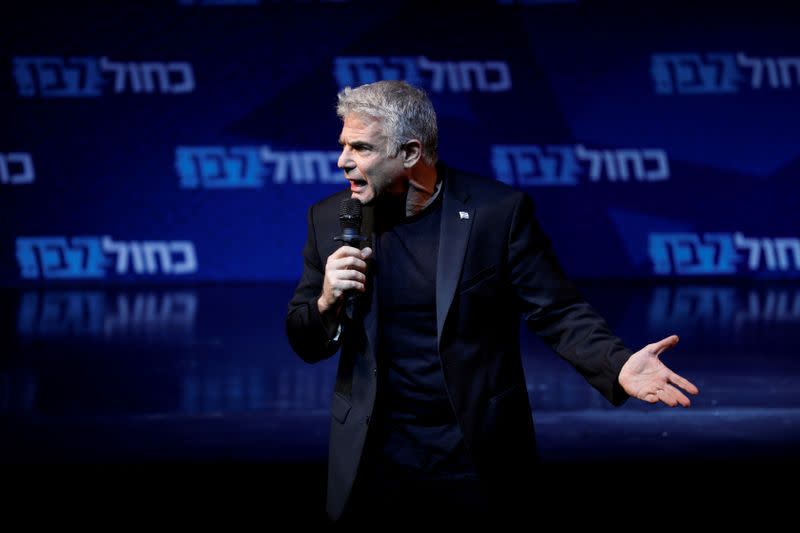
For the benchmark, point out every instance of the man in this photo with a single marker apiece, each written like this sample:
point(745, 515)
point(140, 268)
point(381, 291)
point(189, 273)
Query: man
point(430, 409)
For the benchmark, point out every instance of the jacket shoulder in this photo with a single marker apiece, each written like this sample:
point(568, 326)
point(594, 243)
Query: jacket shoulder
point(486, 190)
point(330, 204)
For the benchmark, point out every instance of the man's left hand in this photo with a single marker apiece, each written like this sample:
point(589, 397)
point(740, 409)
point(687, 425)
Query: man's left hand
point(645, 377)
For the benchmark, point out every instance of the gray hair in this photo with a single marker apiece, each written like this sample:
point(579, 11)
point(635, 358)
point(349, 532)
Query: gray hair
point(406, 111)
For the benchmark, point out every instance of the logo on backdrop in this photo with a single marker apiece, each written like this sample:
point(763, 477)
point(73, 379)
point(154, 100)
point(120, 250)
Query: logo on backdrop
point(101, 257)
point(247, 167)
point(16, 168)
point(720, 73)
point(90, 77)
point(721, 253)
point(435, 76)
point(553, 164)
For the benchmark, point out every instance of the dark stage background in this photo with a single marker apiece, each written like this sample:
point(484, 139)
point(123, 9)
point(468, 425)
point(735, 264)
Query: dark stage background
point(157, 160)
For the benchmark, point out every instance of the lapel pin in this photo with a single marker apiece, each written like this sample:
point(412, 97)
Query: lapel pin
point(463, 215)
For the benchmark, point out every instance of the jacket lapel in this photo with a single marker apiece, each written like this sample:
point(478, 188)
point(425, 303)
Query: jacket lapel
point(457, 217)
point(370, 314)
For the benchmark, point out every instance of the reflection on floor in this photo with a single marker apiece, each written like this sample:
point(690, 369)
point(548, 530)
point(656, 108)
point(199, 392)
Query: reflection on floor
point(204, 375)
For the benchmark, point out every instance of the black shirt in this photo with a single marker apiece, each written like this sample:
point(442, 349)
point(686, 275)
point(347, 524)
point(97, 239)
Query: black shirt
point(417, 431)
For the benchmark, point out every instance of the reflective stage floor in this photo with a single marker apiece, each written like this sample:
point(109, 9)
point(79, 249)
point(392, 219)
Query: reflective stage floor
point(196, 387)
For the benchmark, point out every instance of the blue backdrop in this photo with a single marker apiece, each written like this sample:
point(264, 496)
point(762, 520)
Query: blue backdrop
point(184, 140)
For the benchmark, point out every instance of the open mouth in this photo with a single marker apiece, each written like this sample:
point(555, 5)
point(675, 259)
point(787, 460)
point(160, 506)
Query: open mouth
point(358, 185)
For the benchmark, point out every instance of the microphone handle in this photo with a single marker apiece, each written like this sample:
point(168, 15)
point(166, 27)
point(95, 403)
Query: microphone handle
point(350, 302)
point(350, 237)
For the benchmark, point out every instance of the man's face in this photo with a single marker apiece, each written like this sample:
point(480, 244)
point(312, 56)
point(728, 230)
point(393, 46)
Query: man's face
point(366, 166)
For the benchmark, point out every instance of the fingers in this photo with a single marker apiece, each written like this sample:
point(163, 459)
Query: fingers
point(344, 251)
point(344, 271)
point(672, 396)
point(665, 344)
point(343, 285)
point(349, 275)
point(347, 263)
point(683, 383)
point(344, 280)
point(348, 258)
point(651, 397)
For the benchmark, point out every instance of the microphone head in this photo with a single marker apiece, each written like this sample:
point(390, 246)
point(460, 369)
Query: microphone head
point(350, 214)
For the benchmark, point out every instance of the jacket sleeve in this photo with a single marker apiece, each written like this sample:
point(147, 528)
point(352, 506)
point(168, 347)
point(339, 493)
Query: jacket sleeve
point(552, 307)
point(309, 335)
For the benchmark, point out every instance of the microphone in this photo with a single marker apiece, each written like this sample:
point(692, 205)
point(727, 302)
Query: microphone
point(350, 217)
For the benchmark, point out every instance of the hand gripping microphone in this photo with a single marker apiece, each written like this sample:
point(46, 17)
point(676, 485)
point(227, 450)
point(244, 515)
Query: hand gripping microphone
point(350, 216)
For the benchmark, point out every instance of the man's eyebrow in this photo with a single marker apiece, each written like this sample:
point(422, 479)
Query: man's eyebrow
point(356, 144)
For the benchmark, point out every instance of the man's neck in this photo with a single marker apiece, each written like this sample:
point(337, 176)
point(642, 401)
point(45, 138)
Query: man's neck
point(422, 188)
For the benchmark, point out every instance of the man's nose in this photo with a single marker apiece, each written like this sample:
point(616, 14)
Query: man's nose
point(344, 160)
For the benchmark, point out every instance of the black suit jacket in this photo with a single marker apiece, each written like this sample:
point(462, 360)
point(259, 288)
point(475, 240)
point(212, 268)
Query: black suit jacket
point(495, 266)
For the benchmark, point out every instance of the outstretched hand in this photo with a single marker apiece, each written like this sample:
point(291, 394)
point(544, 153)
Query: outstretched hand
point(645, 377)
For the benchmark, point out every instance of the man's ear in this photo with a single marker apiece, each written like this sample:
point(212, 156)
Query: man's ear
point(411, 152)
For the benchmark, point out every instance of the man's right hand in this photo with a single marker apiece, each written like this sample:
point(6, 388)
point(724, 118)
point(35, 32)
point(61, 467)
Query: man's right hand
point(344, 271)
